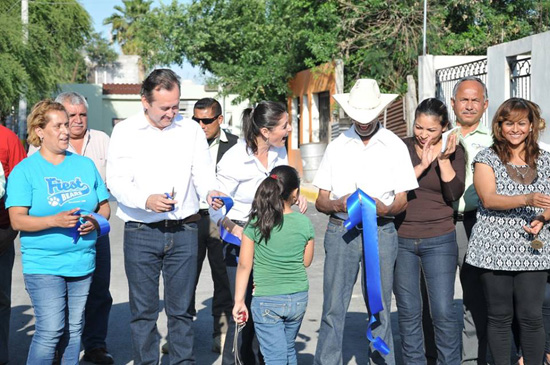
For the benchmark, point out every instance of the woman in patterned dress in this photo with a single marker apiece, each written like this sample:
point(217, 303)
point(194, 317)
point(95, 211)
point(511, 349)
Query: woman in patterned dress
point(510, 242)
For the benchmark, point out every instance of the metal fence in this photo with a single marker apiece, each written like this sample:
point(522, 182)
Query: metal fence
point(520, 78)
point(446, 78)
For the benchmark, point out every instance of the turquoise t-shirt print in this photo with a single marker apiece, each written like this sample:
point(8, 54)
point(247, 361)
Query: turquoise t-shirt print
point(61, 192)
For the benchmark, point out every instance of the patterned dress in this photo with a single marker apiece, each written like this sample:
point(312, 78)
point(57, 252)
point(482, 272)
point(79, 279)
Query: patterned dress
point(498, 240)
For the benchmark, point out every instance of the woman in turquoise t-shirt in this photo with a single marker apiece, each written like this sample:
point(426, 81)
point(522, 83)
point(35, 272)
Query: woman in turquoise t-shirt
point(45, 195)
point(279, 242)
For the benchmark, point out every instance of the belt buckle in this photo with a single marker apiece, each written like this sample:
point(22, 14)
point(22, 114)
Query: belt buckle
point(459, 216)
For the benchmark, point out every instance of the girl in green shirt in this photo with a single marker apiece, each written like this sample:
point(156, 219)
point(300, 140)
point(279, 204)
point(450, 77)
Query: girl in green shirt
point(278, 244)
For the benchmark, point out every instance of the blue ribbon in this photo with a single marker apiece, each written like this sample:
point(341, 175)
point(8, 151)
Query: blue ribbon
point(362, 209)
point(224, 234)
point(103, 229)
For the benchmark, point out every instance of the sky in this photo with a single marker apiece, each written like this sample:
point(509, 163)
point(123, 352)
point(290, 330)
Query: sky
point(101, 9)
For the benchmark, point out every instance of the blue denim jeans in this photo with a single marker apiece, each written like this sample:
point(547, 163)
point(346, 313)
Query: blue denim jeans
point(98, 305)
point(343, 256)
point(58, 303)
point(149, 251)
point(277, 320)
point(436, 257)
point(7, 255)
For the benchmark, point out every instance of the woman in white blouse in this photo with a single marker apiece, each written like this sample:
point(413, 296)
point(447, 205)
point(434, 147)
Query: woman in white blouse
point(239, 173)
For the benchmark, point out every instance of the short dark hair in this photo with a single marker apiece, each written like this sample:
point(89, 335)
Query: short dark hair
point(207, 103)
point(159, 79)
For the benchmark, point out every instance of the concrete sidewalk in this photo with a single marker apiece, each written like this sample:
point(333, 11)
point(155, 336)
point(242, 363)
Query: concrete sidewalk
point(119, 344)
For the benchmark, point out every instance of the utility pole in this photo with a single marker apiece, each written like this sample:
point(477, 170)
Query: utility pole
point(22, 115)
point(424, 30)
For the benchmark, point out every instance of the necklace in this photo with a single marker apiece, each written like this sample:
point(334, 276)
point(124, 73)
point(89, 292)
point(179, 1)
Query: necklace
point(518, 172)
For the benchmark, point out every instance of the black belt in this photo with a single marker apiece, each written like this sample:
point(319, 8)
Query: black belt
point(204, 212)
point(171, 223)
point(380, 221)
point(461, 217)
point(239, 223)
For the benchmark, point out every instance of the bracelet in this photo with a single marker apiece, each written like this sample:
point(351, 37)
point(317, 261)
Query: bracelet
point(540, 218)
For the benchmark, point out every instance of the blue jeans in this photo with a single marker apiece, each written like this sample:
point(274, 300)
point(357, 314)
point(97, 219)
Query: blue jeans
point(98, 306)
point(436, 257)
point(7, 255)
point(343, 256)
point(58, 303)
point(147, 252)
point(277, 320)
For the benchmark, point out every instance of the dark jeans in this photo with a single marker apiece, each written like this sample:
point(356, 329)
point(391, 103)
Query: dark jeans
point(474, 332)
point(510, 293)
point(7, 255)
point(249, 345)
point(222, 301)
point(98, 305)
point(149, 251)
point(437, 258)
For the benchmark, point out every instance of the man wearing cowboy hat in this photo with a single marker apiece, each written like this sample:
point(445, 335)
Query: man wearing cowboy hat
point(373, 159)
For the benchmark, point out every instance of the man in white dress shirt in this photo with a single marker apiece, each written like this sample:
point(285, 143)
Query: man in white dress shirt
point(373, 159)
point(158, 168)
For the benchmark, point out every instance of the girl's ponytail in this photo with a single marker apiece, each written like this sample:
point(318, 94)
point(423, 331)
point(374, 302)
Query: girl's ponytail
point(269, 201)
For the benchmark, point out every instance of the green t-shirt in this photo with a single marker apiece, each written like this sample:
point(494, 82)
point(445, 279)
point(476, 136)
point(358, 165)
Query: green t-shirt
point(279, 264)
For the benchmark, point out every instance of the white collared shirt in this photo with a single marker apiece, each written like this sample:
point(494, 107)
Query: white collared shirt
point(95, 147)
point(213, 149)
point(144, 160)
point(381, 169)
point(240, 173)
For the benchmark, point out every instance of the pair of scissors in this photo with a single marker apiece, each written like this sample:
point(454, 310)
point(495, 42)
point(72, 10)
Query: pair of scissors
point(171, 196)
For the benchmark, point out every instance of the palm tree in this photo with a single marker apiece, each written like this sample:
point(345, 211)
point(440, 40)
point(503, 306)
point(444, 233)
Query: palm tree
point(125, 23)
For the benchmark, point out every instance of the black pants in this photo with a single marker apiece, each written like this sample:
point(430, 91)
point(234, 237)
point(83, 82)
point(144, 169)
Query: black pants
point(222, 301)
point(519, 294)
point(249, 345)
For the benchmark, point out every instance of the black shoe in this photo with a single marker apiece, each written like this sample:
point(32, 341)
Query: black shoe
point(98, 356)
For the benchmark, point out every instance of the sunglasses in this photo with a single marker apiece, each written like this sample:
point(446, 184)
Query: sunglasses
point(205, 120)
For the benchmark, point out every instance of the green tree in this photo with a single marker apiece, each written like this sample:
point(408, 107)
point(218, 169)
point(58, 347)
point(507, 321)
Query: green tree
point(126, 23)
point(56, 34)
point(253, 47)
point(99, 52)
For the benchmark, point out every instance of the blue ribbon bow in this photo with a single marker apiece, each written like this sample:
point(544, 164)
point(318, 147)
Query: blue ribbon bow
point(224, 234)
point(103, 229)
point(362, 209)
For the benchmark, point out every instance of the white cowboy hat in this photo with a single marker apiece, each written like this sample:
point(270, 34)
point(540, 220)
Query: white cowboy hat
point(364, 102)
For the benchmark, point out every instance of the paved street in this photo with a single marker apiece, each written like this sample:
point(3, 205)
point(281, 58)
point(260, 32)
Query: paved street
point(22, 320)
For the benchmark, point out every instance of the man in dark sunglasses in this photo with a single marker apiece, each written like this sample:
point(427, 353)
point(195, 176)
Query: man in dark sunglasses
point(208, 113)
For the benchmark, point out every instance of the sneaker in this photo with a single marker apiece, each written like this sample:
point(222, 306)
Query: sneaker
point(164, 348)
point(217, 344)
point(98, 356)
